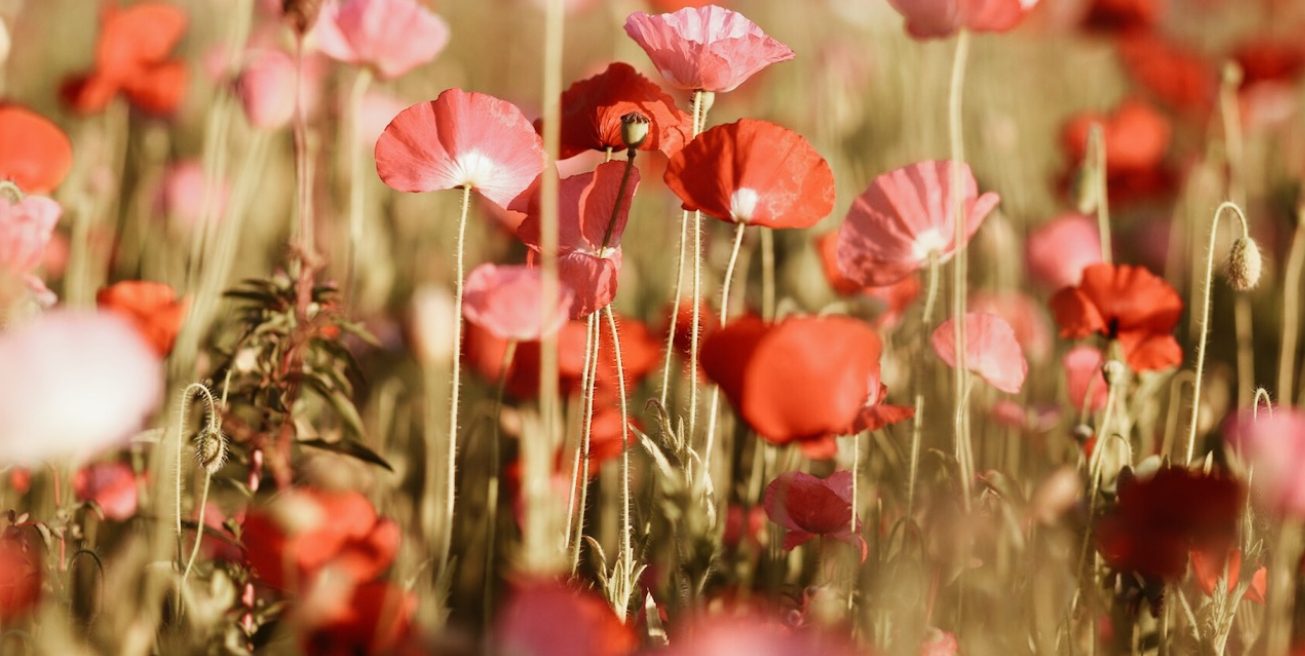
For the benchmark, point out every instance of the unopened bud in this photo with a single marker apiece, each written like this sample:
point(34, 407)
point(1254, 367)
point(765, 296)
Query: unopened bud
point(634, 129)
point(1114, 372)
point(1244, 265)
point(211, 450)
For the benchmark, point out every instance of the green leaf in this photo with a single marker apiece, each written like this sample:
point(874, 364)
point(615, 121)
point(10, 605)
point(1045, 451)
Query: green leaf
point(351, 448)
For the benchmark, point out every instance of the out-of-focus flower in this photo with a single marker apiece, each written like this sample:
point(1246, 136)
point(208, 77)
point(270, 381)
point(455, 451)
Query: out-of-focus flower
point(1123, 16)
point(1084, 381)
point(705, 48)
point(1274, 443)
point(1127, 304)
point(266, 87)
point(1211, 568)
point(374, 618)
point(1177, 76)
point(756, 635)
point(1055, 495)
point(390, 36)
point(1136, 138)
point(932, 19)
point(461, 139)
point(991, 350)
point(904, 219)
point(432, 323)
point(25, 230)
point(73, 384)
point(592, 110)
point(1158, 520)
point(755, 173)
point(152, 307)
point(1059, 250)
point(1025, 315)
point(593, 209)
point(304, 532)
point(132, 57)
point(34, 153)
point(20, 573)
point(546, 618)
point(111, 485)
point(808, 506)
point(509, 302)
point(939, 643)
point(744, 526)
point(376, 112)
point(186, 190)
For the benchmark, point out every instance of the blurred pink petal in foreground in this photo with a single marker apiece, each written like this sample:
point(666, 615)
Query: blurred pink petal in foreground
point(1083, 379)
point(111, 485)
point(266, 88)
point(755, 635)
point(551, 619)
point(991, 350)
point(1059, 250)
point(705, 49)
point(508, 301)
point(461, 139)
point(1025, 316)
point(1274, 443)
point(73, 384)
point(390, 36)
point(931, 19)
point(25, 229)
point(808, 507)
point(186, 193)
point(904, 219)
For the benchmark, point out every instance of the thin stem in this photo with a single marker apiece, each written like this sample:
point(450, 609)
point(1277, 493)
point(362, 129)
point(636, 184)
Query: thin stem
point(303, 197)
point(580, 473)
point(357, 181)
point(620, 193)
point(186, 396)
point(1101, 193)
point(917, 423)
point(1291, 309)
point(1282, 588)
point(1234, 152)
point(450, 485)
point(739, 232)
point(199, 528)
point(495, 463)
point(959, 270)
point(698, 119)
point(767, 275)
point(1204, 317)
point(627, 528)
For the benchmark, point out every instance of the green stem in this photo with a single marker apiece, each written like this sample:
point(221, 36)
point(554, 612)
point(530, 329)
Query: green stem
point(964, 449)
point(450, 485)
point(739, 232)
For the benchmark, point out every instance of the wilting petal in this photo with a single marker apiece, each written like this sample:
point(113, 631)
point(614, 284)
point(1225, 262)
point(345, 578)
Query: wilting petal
point(991, 350)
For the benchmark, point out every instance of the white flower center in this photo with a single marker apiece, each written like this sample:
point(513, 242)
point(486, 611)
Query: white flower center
point(475, 169)
point(927, 243)
point(743, 203)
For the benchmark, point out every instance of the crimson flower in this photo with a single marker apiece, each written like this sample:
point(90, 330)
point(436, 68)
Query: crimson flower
point(1179, 77)
point(932, 19)
point(461, 139)
point(803, 380)
point(809, 507)
point(592, 109)
point(1123, 16)
point(20, 572)
point(705, 48)
point(390, 36)
point(1158, 520)
point(991, 350)
point(34, 153)
point(152, 307)
point(1264, 59)
point(375, 618)
point(904, 219)
point(132, 57)
point(547, 618)
point(508, 302)
point(593, 210)
point(753, 172)
point(1127, 304)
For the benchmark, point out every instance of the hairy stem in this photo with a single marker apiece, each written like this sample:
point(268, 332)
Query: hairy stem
point(739, 232)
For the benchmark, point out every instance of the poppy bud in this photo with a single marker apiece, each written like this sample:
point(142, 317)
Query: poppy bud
point(211, 450)
point(1114, 372)
point(634, 129)
point(1244, 265)
point(302, 14)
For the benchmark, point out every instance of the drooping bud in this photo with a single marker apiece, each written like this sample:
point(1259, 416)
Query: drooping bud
point(211, 450)
point(1244, 265)
point(302, 14)
point(634, 129)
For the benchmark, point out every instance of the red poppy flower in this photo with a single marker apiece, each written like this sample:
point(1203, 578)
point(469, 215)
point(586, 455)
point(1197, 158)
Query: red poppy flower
point(304, 531)
point(1209, 568)
point(20, 573)
point(705, 48)
point(682, 324)
point(592, 109)
point(1123, 16)
point(802, 380)
point(547, 618)
point(1136, 137)
point(932, 19)
point(390, 36)
point(34, 153)
point(152, 307)
point(508, 301)
point(1268, 60)
point(1158, 520)
point(808, 507)
point(111, 485)
point(905, 218)
point(1124, 303)
point(1057, 251)
point(132, 58)
point(1181, 78)
point(991, 350)
point(593, 209)
point(461, 139)
point(376, 618)
point(753, 172)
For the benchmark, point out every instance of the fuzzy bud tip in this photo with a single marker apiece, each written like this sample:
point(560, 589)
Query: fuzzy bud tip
point(634, 129)
point(1244, 265)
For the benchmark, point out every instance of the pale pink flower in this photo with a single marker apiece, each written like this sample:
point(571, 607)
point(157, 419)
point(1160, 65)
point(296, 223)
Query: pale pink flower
point(930, 19)
point(508, 302)
point(905, 218)
point(991, 350)
point(390, 36)
point(706, 48)
point(1026, 317)
point(1274, 443)
point(182, 196)
point(73, 384)
point(266, 88)
point(111, 485)
point(375, 113)
point(939, 643)
point(25, 230)
point(1083, 378)
point(1059, 250)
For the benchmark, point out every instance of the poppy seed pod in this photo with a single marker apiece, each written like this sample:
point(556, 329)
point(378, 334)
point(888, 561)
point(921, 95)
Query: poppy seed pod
point(634, 129)
point(1244, 265)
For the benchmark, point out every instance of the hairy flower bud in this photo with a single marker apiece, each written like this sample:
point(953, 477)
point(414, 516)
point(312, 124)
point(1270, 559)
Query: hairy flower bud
point(1244, 265)
point(211, 450)
point(634, 129)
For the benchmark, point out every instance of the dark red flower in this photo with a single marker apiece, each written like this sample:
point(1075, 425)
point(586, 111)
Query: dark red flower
point(152, 307)
point(1211, 567)
point(20, 573)
point(1179, 77)
point(547, 618)
point(808, 506)
point(376, 618)
point(803, 380)
point(132, 57)
point(592, 109)
point(1158, 520)
point(753, 172)
point(1268, 60)
point(304, 531)
point(1124, 303)
point(1123, 16)
point(34, 153)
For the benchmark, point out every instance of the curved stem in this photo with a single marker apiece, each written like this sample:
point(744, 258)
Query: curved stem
point(1204, 317)
point(450, 486)
point(679, 271)
point(964, 450)
point(186, 396)
point(724, 317)
point(199, 528)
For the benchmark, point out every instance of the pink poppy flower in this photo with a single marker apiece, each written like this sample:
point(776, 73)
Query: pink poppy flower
point(73, 384)
point(508, 302)
point(1025, 316)
point(1058, 251)
point(111, 485)
point(591, 220)
point(744, 631)
point(1274, 443)
point(1083, 378)
point(25, 230)
point(903, 219)
point(182, 196)
point(705, 48)
point(991, 350)
point(390, 36)
point(546, 618)
point(933, 19)
point(266, 88)
point(461, 139)
point(753, 172)
point(807, 507)
point(376, 112)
